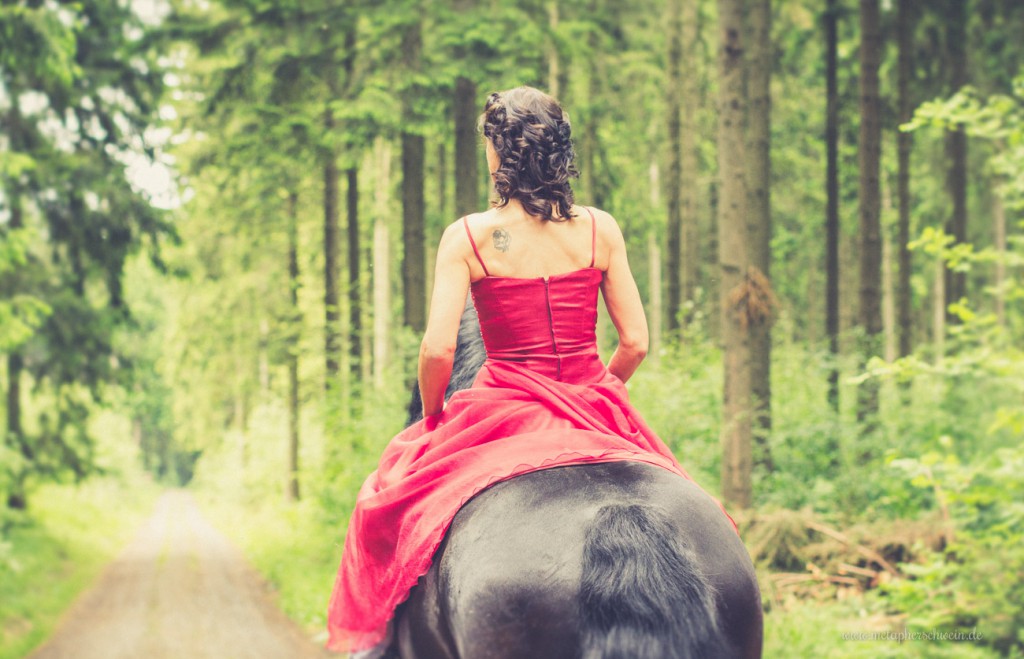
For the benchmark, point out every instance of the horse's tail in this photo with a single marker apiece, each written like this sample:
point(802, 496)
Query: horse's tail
point(642, 596)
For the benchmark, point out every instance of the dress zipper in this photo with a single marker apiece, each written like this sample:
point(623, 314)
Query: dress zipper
point(551, 326)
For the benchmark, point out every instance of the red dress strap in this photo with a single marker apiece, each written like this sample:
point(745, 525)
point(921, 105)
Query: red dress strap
point(472, 242)
point(593, 238)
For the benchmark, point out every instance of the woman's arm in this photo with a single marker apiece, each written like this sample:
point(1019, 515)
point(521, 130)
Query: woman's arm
point(622, 298)
point(437, 352)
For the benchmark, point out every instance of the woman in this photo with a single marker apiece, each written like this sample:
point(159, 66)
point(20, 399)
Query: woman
point(534, 263)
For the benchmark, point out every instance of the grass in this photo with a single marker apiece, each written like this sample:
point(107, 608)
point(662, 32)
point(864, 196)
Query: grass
point(843, 629)
point(48, 558)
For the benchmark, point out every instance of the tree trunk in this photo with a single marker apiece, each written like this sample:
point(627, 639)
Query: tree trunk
point(465, 109)
point(292, 487)
point(16, 496)
point(590, 140)
point(332, 249)
point(381, 264)
point(413, 211)
point(714, 284)
point(869, 201)
point(467, 187)
point(590, 146)
point(888, 293)
point(689, 220)
point(442, 180)
point(655, 308)
point(832, 207)
point(355, 306)
point(413, 263)
point(654, 313)
point(956, 146)
point(734, 256)
point(759, 174)
point(553, 63)
point(904, 145)
point(675, 183)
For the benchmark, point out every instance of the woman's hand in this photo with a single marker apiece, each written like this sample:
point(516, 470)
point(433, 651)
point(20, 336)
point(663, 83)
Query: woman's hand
point(437, 351)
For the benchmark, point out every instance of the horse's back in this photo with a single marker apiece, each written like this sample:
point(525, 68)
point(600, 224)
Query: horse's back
point(522, 562)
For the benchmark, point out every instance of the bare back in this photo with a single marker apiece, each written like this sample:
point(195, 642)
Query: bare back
point(510, 243)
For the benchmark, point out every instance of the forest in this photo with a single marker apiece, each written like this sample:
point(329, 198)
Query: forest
point(218, 220)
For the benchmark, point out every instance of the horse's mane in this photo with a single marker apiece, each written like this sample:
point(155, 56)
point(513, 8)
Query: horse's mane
point(469, 357)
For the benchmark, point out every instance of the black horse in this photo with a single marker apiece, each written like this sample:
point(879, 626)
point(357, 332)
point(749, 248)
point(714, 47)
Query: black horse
point(615, 560)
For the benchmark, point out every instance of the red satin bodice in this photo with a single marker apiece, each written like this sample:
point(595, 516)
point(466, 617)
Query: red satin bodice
point(544, 323)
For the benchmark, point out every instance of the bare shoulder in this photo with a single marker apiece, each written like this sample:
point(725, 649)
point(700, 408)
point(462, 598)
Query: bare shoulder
point(478, 223)
point(454, 240)
point(609, 234)
point(605, 220)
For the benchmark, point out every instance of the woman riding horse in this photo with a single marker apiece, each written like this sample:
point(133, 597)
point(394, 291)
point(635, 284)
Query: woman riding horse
point(535, 514)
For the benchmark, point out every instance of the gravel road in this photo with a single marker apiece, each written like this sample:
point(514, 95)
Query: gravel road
point(178, 590)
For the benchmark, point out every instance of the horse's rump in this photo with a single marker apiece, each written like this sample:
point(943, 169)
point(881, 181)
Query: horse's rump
point(594, 561)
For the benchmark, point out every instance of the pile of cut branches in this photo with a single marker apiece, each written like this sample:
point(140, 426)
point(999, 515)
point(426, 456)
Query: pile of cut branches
point(807, 557)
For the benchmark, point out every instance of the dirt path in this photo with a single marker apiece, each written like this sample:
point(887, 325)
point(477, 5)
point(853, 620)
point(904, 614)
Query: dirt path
point(178, 590)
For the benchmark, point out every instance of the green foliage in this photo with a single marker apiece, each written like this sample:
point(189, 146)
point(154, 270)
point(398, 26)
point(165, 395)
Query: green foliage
point(79, 86)
point(39, 44)
point(968, 467)
point(972, 581)
point(996, 118)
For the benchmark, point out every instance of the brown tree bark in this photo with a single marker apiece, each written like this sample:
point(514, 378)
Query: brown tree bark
point(332, 250)
point(414, 267)
point(832, 203)
point(332, 238)
point(467, 186)
point(355, 307)
point(381, 263)
point(554, 65)
point(466, 108)
point(904, 146)
point(16, 496)
point(15, 364)
point(759, 174)
point(442, 179)
point(869, 203)
point(590, 125)
point(674, 188)
point(594, 194)
point(689, 220)
point(956, 145)
point(655, 305)
point(734, 256)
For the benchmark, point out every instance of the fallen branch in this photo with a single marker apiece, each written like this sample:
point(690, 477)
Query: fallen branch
point(867, 552)
point(846, 568)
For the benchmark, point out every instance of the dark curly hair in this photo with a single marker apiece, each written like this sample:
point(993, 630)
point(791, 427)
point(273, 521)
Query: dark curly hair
point(531, 135)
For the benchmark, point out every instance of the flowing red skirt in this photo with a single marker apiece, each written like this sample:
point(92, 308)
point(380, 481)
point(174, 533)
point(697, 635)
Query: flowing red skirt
point(511, 422)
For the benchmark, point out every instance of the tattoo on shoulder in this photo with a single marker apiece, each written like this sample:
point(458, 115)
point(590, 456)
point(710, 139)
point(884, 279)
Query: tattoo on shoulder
point(501, 238)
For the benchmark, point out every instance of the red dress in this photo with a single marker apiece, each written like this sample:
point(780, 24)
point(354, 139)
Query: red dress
point(542, 399)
